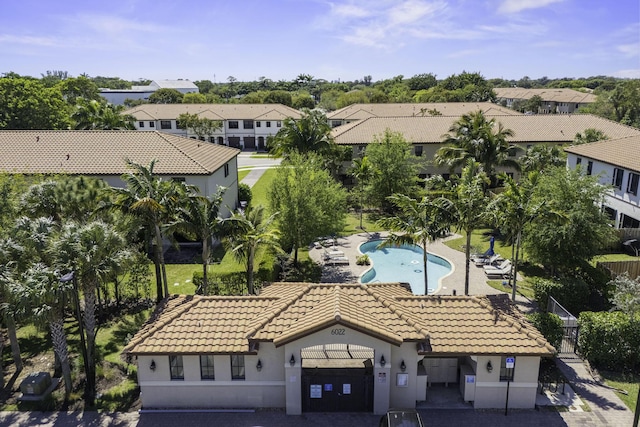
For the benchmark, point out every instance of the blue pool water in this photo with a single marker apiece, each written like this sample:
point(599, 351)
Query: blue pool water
point(403, 264)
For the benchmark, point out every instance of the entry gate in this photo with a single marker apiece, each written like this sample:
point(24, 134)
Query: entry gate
point(337, 390)
point(571, 330)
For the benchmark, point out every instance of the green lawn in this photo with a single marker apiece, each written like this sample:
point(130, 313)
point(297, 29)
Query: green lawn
point(628, 382)
point(260, 190)
point(262, 156)
point(243, 173)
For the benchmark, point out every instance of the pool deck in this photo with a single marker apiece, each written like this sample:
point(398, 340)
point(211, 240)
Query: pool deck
point(454, 281)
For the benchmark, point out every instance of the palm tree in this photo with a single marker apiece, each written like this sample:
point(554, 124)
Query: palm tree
point(512, 210)
point(246, 232)
point(45, 296)
point(199, 217)
point(309, 133)
point(419, 222)
point(542, 156)
point(481, 140)
point(362, 170)
point(92, 252)
point(96, 115)
point(468, 206)
point(155, 202)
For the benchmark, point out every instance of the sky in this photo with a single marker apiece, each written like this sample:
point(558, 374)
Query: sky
point(342, 40)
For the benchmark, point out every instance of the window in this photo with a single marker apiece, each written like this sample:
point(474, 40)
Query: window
point(618, 175)
point(177, 368)
point(140, 124)
point(268, 124)
point(247, 124)
point(335, 123)
point(589, 167)
point(237, 367)
point(226, 169)
point(206, 367)
point(233, 124)
point(179, 125)
point(152, 124)
point(611, 213)
point(220, 140)
point(258, 124)
point(212, 139)
point(578, 161)
point(278, 124)
point(512, 151)
point(178, 179)
point(418, 150)
point(506, 374)
point(632, 186)
point(165, 124)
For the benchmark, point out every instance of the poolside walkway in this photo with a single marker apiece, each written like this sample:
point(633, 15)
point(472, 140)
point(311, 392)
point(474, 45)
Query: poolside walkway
point(453, 282)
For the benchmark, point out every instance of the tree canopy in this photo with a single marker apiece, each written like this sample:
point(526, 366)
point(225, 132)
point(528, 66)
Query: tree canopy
point(28, 104)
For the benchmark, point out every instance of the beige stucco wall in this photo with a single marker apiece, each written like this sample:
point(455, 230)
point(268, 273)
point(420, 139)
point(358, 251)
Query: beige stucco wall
point(264, 389)
point(492, 393)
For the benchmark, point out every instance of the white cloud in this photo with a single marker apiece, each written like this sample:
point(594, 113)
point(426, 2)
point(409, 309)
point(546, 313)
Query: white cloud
point(515, 6)
point(627, 74)
point(629, 50)
point(28, 40)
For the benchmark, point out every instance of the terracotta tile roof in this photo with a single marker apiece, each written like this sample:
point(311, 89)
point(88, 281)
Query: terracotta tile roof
point(103, 152)
point(559, 128)
point(363, 111)
point(547, 94)
point(285, 312)
point(214, 111)
point(623, 152)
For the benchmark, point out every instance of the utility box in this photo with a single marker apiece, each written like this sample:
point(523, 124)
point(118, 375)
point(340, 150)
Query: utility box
point(35, 383)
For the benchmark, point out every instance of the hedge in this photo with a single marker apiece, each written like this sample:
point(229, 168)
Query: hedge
point(572, 293)
point(610, 339)
point(550, 326)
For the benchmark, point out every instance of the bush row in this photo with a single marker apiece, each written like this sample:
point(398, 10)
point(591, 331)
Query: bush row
point(550, 326)
point(610, 339)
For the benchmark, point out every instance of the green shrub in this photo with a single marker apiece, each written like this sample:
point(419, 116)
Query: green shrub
point(609, 339)
point(363, 260)
point(572, 293)
point(550, 325)
point(244, 193)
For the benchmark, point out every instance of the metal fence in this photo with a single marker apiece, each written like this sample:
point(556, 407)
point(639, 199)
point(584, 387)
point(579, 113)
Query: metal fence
point(570, 326)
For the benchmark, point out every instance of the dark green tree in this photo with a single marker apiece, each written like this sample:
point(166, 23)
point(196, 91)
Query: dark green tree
point(28, 104)
point(166, 96)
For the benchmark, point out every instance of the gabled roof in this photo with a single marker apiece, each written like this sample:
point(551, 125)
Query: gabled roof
point(560, 128)
point(622, 152)
point(547, 94)
point(214, 111)
point(363, 111)
point(285, 312)
point(104, 152)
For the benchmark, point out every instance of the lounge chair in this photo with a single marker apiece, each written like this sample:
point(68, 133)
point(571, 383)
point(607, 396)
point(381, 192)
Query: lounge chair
point(333, 254)
point(483, 260)
point(337, 260)
point(501, 271)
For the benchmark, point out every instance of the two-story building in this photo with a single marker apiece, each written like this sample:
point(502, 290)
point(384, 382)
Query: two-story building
point(311, 347)
point(426, 133)
point(617, 164)
point(244, 126)
point(102, 154)
point(554, 100)
point(355, 112)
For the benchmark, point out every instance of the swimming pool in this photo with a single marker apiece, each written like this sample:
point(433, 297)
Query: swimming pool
point(403, 264)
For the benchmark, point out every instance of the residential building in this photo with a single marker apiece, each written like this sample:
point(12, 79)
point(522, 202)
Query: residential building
point(102, 154)
point(426, 133)
point(245, 126)
point(118, 96)
point(357, 112)
point(335, 348)
point(554, 100)
point(616, 163)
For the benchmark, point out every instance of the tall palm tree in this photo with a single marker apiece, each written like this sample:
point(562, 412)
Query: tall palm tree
point(481, 140)
point(92, 252)
point(96, 115)
point(542, 156)
point(199, 217)
point(419, 222)
point(512, 210)
point(468, 206)
point(155, 202)
point(45, 297)
point(246, 232)
point(9, 252)
point(309, 133)
point(362, 170)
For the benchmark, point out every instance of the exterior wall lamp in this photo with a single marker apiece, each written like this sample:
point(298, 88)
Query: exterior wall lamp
point(403, 366)
point(153, 365)
point(259, 365)
point(489, 366)
point(292, 361)
point(382, 361)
